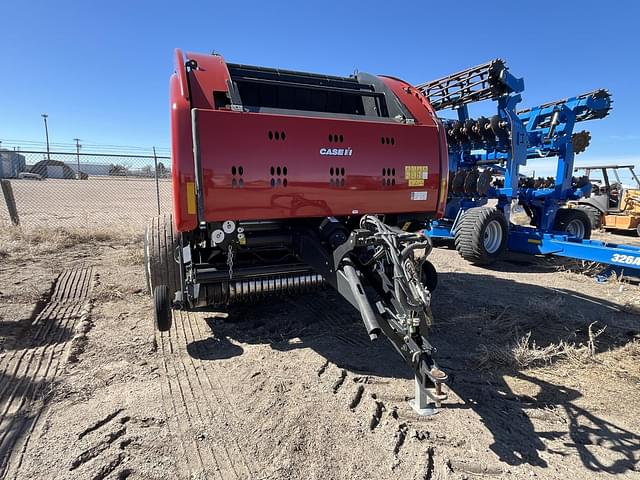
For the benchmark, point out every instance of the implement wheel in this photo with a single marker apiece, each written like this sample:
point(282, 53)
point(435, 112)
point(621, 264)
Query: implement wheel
point(160, 244)
point(162, 308)
point(574, 222)
point(481, 235)
point(595, 215)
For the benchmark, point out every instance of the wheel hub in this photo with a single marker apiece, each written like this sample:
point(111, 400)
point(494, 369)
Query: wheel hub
point(492, 236)
point(576, 228)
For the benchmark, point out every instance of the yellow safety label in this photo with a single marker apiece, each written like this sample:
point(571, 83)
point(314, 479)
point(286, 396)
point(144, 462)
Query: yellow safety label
point(191, 198)
point(533, 240)
point(416, 174)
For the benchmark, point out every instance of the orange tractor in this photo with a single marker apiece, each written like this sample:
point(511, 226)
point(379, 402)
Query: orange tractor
point(612, 204)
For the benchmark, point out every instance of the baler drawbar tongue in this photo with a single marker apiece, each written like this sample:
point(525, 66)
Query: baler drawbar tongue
point(384, 273)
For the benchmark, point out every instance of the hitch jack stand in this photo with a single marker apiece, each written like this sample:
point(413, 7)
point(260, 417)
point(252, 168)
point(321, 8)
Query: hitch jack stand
point(424, 404)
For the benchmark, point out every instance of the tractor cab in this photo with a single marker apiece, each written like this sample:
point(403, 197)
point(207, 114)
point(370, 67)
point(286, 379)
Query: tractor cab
point(615, 196)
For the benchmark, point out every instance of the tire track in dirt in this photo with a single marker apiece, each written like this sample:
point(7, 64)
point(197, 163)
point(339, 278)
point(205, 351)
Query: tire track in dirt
point(171, 410)
point(34, 363)
point(218, 406)
point(339, 381)
point(42, 324)
point(87, 282)
point(191, 402)
point(196, 401)
point(221, 395)
point(356, 397)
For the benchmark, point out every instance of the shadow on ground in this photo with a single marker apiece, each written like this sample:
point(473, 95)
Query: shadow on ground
point(469, 310)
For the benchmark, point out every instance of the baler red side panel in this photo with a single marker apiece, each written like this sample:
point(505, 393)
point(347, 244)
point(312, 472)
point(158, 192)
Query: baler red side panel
point(210, 76)
point(240, 142)
point(424, 113)
point(182, 165)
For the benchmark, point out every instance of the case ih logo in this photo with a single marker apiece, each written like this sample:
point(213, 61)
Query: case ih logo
point(337, 152)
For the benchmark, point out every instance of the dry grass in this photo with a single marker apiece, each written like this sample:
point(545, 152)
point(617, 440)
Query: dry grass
point(522, 352)
point(108, 292)
point(547, 308)
point(132, 254)
point(28, 294)
point(631, 350)
point(513, 336)
point(26, 241)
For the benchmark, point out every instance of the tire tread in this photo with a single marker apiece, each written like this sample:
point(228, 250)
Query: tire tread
point(565, 215)
point(160, 245)
point(468, 237)
point(594, 215)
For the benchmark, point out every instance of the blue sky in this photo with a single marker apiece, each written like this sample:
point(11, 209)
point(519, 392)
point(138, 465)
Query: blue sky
point(100, 69)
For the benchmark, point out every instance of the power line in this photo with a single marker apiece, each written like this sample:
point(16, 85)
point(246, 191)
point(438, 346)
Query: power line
point(32, 144)
point(14, 140)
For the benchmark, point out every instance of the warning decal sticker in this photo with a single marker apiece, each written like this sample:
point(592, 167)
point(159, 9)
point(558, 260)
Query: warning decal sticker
point(416, 175)
point(418, 196)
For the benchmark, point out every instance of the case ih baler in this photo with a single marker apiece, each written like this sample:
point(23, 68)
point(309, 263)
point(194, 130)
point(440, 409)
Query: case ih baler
point(284, 180)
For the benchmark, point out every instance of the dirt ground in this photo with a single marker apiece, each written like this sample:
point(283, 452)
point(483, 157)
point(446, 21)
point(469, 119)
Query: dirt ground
point(291, 387)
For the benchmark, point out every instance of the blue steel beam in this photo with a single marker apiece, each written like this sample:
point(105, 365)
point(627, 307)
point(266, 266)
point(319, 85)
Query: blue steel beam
point(534, 242)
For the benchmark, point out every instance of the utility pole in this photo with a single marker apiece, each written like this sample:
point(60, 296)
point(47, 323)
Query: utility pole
point(46, 132)
point(77, 140)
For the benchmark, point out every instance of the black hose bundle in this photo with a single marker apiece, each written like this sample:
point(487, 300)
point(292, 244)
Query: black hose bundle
point(403, 252)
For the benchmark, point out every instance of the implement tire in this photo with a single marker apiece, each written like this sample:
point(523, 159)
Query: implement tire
point(162, 308)
point(160, 243)
point(595, 215)
point(573, 221)
point(481, 236)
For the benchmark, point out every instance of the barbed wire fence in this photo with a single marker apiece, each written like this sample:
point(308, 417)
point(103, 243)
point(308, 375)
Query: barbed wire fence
point(72, 189)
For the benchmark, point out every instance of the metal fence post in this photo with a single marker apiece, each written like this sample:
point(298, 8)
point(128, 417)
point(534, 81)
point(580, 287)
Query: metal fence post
point(155, 161)
point(10, 200)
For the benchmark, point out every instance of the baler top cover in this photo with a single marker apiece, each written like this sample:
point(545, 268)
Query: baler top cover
point(254, 143)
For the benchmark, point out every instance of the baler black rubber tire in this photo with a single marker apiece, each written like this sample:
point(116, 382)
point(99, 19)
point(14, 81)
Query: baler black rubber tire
point(162, 308)
point(159, 248)
point(595, 215)
point(469, 235)
point(567, 215)
point(429, 276)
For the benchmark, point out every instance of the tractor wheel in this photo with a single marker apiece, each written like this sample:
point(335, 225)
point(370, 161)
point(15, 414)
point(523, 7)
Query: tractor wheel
point(162, 308)
point(481, 235)
point(573, 221)
point(160, 243)
point(595, 215)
